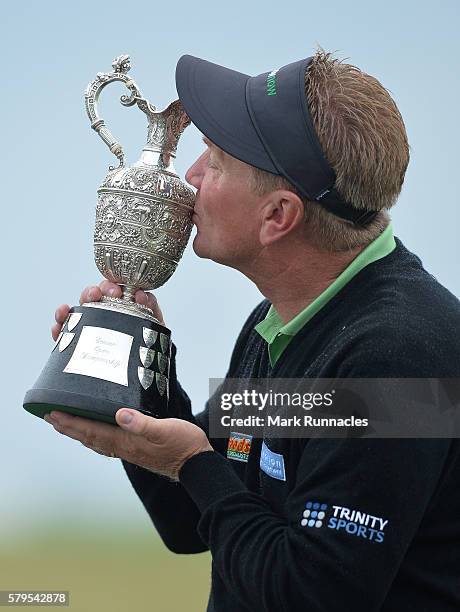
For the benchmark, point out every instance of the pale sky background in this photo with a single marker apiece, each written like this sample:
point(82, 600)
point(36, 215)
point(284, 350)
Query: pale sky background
point(53, 163)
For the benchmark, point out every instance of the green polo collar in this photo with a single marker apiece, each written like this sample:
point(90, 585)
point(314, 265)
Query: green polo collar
point(278, 335)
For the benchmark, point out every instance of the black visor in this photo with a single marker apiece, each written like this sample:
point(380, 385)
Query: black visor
point(265, 122)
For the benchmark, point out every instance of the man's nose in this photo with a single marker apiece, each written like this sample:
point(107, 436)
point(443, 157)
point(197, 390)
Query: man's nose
point(194, 174)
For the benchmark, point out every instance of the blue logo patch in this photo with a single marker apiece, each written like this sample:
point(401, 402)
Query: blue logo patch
point(272, 463)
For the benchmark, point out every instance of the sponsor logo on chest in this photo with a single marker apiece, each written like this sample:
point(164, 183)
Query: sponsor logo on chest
point(239, 446)
point(272, 463)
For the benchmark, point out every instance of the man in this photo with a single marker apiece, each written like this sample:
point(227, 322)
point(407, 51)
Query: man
point(301, 166)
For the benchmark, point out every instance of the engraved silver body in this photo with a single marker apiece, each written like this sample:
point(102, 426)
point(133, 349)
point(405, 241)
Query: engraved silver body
point(144, 212)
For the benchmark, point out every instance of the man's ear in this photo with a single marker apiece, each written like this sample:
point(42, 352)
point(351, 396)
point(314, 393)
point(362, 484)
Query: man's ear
point(282, 213)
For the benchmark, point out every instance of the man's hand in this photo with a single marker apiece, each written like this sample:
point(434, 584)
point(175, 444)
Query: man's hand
point(159, 445)
point(95, 293)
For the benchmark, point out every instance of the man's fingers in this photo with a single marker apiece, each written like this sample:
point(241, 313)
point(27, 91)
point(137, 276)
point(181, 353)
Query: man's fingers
point(87, 431)
point(148, 299)
point(141, 297)
point(90, 294)
point(93, 434)
point(60, 316)
point(152, 303)
point(56, 330)
point(61, 313)
point(94, 293)
point(103, 438)
point(110, 289)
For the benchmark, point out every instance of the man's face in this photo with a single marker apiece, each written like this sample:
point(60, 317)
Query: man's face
point(226, 208)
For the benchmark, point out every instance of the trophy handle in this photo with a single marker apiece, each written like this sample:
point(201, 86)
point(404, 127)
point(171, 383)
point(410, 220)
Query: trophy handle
point(121, 66)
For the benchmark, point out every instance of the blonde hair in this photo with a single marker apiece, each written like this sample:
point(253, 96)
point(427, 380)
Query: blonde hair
point(364, 139)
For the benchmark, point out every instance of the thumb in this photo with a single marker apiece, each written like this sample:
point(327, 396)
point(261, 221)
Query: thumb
point(136, 422)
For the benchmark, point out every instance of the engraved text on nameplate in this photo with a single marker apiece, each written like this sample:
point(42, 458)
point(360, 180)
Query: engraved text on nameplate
point(101, 353)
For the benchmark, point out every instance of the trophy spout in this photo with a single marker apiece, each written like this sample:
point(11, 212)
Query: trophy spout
point(164, 130)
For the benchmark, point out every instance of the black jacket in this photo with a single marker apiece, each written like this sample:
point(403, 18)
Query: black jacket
point(402, 550)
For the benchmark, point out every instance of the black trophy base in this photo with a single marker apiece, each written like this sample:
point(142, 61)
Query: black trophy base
point(42, 401)
point(105, 359)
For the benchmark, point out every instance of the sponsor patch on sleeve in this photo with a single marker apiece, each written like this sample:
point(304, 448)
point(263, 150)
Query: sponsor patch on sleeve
point(349, 521)
point(239, 446)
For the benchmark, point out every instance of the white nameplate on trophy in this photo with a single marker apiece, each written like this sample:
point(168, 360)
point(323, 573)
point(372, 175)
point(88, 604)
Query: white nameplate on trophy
point(101, 353)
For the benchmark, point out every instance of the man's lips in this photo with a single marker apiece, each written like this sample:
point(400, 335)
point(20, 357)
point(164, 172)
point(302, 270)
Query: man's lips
point(195, 214)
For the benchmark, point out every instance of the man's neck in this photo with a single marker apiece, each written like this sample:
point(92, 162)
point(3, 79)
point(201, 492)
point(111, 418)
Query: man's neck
point(292, 283)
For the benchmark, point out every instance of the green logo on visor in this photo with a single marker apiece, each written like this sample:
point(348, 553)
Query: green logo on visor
point(271, 83)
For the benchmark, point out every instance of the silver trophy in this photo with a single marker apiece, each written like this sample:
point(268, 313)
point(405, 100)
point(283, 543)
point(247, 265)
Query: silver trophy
point(115, 353)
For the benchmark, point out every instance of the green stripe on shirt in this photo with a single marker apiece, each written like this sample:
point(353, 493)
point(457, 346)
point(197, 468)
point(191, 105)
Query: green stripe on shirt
point(278, 334)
